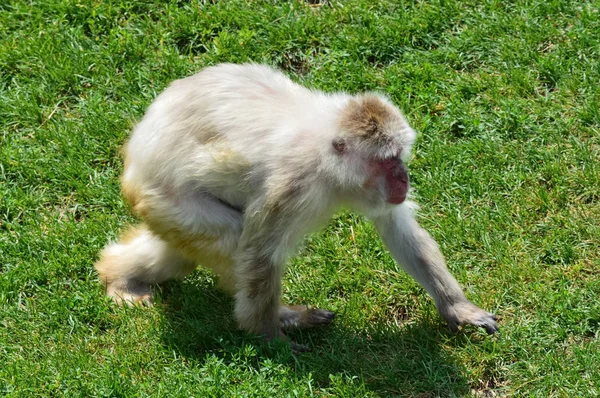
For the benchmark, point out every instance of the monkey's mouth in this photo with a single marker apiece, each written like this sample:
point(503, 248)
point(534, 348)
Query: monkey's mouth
point(397, 190)
point(396, 180)
point(396, 199)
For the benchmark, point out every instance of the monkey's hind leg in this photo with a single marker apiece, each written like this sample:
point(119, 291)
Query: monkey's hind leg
point(140, 259)
point(303, 317)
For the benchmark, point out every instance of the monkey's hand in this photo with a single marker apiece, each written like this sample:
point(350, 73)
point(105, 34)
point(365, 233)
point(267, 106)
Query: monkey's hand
point(467, 313)
point(303, 317)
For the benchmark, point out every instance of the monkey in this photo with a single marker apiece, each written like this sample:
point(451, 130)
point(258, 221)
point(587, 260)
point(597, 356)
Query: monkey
point(231, 167)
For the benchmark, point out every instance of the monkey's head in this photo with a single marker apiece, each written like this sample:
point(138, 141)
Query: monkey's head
point(373, 142)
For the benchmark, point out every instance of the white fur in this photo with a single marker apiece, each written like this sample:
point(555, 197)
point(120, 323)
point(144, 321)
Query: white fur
point(258, 115)
point(232, 166)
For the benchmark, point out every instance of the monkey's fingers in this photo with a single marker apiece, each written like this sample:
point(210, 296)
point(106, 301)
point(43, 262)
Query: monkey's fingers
point(453, 326)
point(304, 317)
point(298, 348)
point(467, 313)
point(488, 322)
point(317, 317)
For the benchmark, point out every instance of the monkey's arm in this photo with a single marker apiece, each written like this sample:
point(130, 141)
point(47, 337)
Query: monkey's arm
point(272, 226)
point(413, 248)
point(258, 272)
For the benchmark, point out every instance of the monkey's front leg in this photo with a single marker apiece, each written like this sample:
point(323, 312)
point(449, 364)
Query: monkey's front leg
point(259, 293)
point(268, 234)
point(418, 253)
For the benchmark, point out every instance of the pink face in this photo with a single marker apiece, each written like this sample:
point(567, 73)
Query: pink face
point(390, 172)
point(395, 178)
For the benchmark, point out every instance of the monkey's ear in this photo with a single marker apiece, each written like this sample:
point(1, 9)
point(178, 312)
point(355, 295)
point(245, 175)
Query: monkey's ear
point(339, 145)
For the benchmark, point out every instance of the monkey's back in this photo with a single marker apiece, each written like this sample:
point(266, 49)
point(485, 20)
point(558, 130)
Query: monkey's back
point(225, 129)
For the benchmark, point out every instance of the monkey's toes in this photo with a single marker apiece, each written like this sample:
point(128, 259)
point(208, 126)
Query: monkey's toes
point(280, 335)
point(130, 294)
point(318, 317)
point(303, 317)
point(298, 348)
point(129, 300)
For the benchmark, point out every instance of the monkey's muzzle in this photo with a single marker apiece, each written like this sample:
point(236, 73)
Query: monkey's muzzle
point(396, 180)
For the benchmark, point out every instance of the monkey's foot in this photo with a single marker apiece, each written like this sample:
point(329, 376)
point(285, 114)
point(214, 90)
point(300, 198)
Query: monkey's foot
point(467, 313)
point(130, 293)
point(303, 317)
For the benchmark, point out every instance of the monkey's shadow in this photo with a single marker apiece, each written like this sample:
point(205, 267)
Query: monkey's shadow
point(405, 360)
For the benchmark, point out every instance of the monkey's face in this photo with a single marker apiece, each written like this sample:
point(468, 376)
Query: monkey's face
point(385, 183)
point(392, 177)
point(374, 142)
point(370, 180)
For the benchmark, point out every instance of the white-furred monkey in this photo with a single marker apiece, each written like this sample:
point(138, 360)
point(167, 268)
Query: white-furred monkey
point(232, 166)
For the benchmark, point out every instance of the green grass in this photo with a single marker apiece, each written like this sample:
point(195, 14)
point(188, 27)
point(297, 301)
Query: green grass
point(506, 97)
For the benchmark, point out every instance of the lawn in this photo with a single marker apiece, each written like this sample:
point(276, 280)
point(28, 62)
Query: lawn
point(505, 96)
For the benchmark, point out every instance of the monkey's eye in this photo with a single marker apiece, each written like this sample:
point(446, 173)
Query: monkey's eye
point(391, 157)
point(339, 146)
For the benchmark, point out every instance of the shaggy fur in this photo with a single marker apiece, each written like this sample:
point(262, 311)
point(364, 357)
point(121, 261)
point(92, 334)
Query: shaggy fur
point(231, 167)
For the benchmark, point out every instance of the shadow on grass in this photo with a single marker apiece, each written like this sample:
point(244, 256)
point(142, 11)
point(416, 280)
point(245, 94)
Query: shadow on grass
point(407, 360)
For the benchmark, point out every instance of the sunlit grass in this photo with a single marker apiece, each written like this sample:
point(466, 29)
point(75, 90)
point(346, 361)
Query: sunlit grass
point(506, 99)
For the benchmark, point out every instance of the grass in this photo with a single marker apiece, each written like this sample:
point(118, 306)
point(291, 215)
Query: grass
point(506, 98)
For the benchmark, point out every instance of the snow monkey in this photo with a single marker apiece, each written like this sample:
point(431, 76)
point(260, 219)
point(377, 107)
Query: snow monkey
point(231, 167)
